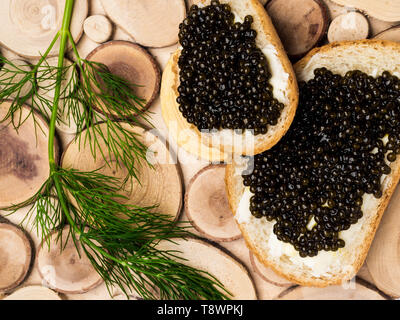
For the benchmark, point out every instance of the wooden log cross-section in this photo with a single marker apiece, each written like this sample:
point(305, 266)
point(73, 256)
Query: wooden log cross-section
point(350, 291)
point(29, 26)
point(15, 256)
point(387, 10)
point(383, 258)
point(132, 63)
point(33, 293)
point(224, 266)
point(392, 34)
point(24, 165)
point(67, 270)
point(300, 25)
point(98, 28)
point(152, 23)
point(207, 207)
point(351, 26)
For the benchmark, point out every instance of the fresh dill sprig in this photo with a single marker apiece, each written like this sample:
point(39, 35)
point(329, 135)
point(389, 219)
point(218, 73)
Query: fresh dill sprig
point(123, 247)
point(120, 240)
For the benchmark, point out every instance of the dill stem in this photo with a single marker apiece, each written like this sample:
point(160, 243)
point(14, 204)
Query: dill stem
point(63, 34)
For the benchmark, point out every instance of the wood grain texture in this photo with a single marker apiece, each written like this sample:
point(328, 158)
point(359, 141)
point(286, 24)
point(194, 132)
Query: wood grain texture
point(220, 263)
point(383, 259)
point(152, 23)
point(68, 270)
point(132, 63)
point(300, 27)
point(28, 26)
point(15, 256)
point(206, 204)
point(388, 10)
point(24, 163)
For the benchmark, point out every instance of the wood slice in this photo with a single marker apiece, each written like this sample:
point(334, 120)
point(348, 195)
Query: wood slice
point(160, 185)
point(33, 293)
point(392, 34)
point(152, 23)
point(383, 258)
point(98, 28)
point(132, 63)
point(15, 256)
point(352, 291)
point(124, 297)
point(378, 26)
point(66, 270)
point(204, 256)
point(300, 27)
point(24, 165)
point(207, 207)
point(19, 67)
point(364, 274)
point(350, 26)
point(335, 9)
point(29, 26)
point(267, 274)
point(388, 10)
point(192, 2)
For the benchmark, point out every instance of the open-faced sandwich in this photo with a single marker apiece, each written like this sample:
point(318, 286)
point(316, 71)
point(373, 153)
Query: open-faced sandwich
point(230, 86)
point(309, 207)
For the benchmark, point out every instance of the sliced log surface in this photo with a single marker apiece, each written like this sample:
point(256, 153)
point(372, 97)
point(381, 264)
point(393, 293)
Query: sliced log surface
point(388, 10)
point(300, 27)
point(383, 259)
point(364, 274)
point(15, 256)
point(204, 256)
point(192, 2)
point(98, 28)
point(161, 185)
point(24, 165)
point(132, 63)
point(350, 291)
point(28, 26)
point(12, 74)
point(349, 26)
point(66, 271)
point(335, 9)
point(392, 34)
point(124, 297)
point(48, 72)
point(33, 293)
point(207, 207)
point(152, 23)
point(268, 274)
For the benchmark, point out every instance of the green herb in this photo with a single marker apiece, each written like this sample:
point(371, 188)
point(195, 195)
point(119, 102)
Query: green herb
point(122, 247)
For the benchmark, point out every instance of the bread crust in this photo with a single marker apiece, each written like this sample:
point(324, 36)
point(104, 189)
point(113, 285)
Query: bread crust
point(216, 151)
point(235, 187)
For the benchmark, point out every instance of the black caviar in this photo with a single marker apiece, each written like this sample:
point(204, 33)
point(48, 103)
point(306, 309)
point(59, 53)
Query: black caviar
point(344, 135)
point(224, 77)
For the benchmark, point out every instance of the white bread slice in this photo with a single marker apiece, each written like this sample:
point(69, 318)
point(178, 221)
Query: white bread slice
point(327, 268)
point(214, 146)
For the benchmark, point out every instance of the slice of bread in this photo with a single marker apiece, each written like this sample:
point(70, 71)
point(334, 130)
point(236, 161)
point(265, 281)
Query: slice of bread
point(372, 57)
point(214, 145)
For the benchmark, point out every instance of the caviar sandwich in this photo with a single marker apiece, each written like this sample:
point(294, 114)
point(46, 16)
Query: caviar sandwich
point(230, 78)
point(312, 204)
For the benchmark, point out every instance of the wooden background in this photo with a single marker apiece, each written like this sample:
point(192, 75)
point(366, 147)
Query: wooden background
point(363, 287)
